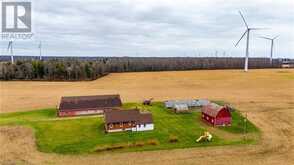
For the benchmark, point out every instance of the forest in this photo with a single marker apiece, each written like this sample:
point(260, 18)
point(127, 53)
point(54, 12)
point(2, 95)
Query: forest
point(76, 69)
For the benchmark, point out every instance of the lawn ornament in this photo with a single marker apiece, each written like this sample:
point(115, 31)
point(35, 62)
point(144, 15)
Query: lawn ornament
point(205, 137)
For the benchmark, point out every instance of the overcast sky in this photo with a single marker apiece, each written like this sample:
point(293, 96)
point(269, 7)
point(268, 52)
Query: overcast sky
point(157, 28)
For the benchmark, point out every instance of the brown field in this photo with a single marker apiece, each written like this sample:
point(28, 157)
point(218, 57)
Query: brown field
point(266, 95)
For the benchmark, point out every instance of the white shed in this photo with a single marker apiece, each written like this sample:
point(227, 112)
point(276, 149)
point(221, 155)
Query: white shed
point(181, 108)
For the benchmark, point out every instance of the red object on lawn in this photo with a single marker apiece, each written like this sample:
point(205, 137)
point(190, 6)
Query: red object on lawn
point(216, 115)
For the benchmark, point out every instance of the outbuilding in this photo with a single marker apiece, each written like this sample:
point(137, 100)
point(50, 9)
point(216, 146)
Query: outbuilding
point(88, 105)
point(179, 108)
point(191, 103)
point(216, 115)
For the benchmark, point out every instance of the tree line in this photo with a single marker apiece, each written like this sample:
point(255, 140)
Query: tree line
point(75, 69)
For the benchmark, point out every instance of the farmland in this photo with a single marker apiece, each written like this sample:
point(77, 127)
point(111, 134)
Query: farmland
point(86, 134)
point(266, 95)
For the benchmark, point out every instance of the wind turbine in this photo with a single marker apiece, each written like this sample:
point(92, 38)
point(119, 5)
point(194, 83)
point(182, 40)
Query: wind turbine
point(247, 33)
point(216, 52)
point(10, 48)
point(224, 53)
point(272, 45)
point(40, 47)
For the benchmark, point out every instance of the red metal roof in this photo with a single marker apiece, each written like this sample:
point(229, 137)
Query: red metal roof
point(212, 109)
point(89, 102)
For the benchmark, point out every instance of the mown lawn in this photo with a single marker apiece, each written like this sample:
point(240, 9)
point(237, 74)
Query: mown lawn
point(86, 134)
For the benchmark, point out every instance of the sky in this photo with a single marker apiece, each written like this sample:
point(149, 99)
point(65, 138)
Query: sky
point(194, 28)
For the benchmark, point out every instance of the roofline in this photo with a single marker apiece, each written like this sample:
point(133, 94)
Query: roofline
point(83, 109)
point(117, 95)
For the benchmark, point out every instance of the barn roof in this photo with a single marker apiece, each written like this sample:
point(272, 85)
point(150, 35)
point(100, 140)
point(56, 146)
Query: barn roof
point(212, 109)
point(89, 102)
point(116, 116)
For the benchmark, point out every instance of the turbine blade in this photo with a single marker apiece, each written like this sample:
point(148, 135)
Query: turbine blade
point(9, 45)
point(276, 37)
point(241, 38)
point(243, 19)
point(265, 38)
point(258, 28)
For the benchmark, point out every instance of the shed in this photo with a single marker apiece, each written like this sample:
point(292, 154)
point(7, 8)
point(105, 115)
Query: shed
point(87, 105)
point(190, 103)
point(179, 107)
point(202, 102)
point(216, 115)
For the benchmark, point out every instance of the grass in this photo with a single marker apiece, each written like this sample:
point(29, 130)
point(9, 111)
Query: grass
point(86, 134)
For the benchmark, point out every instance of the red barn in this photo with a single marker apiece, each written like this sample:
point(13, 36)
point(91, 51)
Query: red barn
point(87, 105)
point(216, 115)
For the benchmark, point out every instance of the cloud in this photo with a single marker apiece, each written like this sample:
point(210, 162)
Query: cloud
point(156, 28)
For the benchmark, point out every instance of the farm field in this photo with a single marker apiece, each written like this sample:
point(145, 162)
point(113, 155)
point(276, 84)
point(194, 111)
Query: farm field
point(86, 134)
point(266, 95)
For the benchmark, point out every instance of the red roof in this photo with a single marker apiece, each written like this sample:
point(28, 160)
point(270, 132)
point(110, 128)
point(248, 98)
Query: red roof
point(89, 102)
point(212, 109)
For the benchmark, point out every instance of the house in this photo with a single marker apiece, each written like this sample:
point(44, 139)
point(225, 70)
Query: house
point(287, 63)
point(216, 115)
point(189, 103)
point(128, 120)
point(87, 105)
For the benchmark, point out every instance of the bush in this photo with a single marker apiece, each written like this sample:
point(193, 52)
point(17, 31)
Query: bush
point(110, 148)
point(153, 142)
point(139, 144)
point(173, 139)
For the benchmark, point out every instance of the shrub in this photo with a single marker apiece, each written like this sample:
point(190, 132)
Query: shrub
point(110, 148)
point(153, 142)
point(116, 146)
point(139, 144)
point(173, 139)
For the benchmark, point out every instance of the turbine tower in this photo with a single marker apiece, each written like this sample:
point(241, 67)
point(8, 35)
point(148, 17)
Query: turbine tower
point(40, 47)
point(10, 49)
point(272, 46)
point(247, 33)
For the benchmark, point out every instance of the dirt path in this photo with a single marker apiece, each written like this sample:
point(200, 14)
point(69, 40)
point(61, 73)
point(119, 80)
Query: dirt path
point(266, 95)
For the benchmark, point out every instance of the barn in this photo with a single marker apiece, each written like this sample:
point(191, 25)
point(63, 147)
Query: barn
point(87, 105)
point(216, 115)
point(128, 120)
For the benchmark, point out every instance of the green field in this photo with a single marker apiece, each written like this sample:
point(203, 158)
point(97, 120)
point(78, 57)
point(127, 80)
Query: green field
point(86, 134)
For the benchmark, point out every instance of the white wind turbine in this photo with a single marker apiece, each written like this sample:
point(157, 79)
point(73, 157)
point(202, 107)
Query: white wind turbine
point(248, 30)
point(272, 46)
point(10, 49)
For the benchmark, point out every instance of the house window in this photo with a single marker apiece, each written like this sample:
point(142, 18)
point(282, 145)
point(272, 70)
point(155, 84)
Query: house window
point(110, 125)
